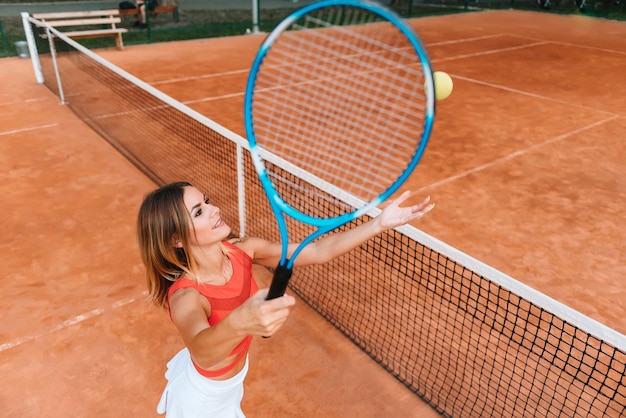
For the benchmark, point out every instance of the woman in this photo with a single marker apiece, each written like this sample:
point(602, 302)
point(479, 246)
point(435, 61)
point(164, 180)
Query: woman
point(205, 281)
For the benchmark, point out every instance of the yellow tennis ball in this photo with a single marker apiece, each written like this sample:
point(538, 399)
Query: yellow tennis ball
point(443, 85)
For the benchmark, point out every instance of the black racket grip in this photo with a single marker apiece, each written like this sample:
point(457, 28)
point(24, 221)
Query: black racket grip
point(279, 282)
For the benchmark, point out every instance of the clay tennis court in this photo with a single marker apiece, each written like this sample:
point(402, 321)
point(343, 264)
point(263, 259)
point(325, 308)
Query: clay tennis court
point(526, 165)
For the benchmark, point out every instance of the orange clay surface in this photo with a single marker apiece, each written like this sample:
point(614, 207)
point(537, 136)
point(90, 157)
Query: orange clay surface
point(527, 167)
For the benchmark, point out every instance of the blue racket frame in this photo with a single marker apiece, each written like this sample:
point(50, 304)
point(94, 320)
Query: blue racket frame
point(278, 205)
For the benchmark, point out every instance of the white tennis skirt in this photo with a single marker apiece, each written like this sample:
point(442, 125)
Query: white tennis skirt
point(188, 394)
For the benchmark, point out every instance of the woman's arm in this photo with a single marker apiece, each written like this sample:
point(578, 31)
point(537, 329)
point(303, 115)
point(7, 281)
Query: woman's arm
point(210, 346)
point(333, 245)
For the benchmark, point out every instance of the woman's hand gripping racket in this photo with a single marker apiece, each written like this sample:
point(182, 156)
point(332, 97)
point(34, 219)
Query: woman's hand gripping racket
point(336, 91)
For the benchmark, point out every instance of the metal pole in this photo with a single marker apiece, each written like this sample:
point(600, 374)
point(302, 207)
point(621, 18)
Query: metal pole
point(53, 54)
point(32, 48)
point(255, 16)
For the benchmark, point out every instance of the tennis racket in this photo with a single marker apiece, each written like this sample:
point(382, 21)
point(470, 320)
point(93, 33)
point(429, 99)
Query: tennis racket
point(337, 93)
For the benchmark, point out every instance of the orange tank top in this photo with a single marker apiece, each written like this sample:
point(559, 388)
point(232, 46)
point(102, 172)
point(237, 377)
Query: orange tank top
point(224, 299)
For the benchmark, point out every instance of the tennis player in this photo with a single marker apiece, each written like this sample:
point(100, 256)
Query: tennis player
point(205, 281)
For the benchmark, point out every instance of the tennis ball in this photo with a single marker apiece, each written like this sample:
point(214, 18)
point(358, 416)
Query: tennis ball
point(443, 85)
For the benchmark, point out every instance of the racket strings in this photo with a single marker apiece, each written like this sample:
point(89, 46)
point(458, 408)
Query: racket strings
point(320, 115)
point(336, 79)
point(342, 157)
point(345, 103)
point(355, 65)
point(305, 197)
point(354, 37)
point(355, 101)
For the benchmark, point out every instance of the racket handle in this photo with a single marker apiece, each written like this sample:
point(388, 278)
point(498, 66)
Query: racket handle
point(279, 282)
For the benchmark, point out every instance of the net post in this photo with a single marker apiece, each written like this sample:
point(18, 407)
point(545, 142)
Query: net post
point(55, 64)
point(241, 191)
point(32, 48)
point(255, 16)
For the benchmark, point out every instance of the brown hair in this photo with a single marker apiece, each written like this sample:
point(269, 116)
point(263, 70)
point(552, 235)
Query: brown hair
point(162, 221)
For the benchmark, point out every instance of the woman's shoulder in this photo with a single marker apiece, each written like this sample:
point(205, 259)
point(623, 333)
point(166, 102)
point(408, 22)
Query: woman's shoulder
point(260, 251)
point(181, 284)
point(185, 293)
point(249, 245)
point(185, 301)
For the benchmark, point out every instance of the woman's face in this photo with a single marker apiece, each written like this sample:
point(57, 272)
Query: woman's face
point(207, 226)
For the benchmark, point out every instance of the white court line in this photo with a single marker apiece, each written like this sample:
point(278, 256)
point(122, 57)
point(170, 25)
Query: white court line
point(613, 51)
point(516, 154)
point(16, 102)
point(536, 42)
point(595, 48)
point(210, 99)
point(64, 324)
point(246, 70)
point(68, 323)
point(493, 51)
point(477, 38)
point(459, 41)
point(31, 128)
point(525, 93)
point(198, 77)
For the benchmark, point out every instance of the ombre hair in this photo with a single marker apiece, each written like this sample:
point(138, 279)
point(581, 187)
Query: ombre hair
point(162, 222)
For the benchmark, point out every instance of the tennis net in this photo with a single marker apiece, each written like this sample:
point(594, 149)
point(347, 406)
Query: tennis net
point(467, 339)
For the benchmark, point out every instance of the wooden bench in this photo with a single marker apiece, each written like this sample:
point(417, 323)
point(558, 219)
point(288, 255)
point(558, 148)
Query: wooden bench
point(106, 19)
point(157, 10)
